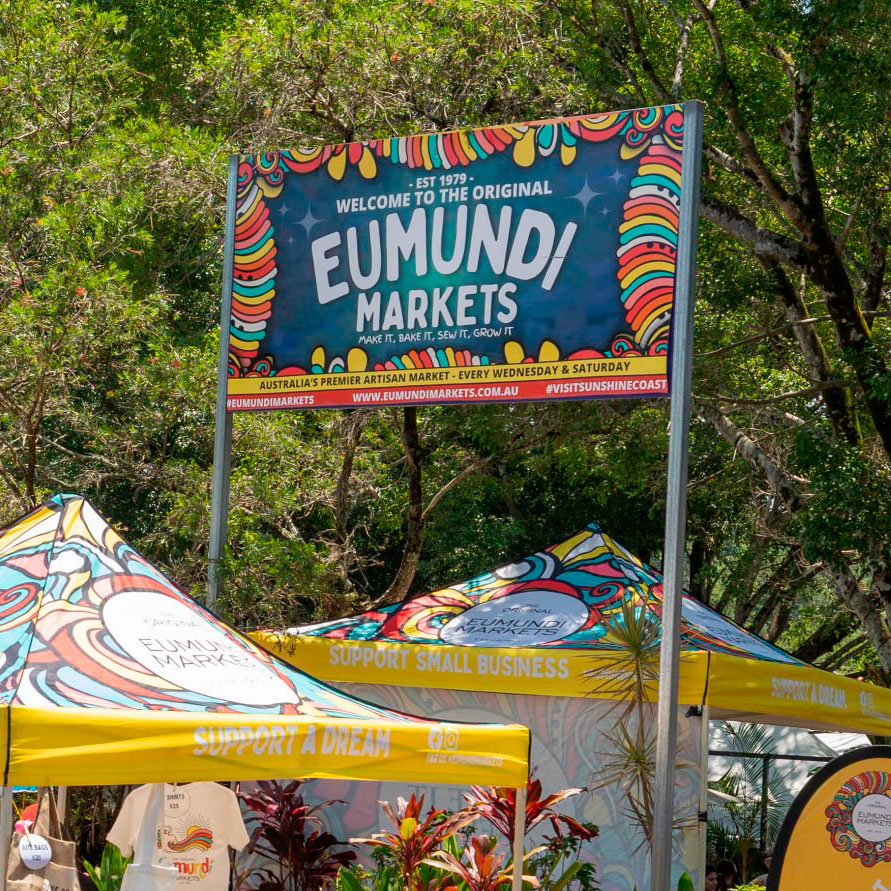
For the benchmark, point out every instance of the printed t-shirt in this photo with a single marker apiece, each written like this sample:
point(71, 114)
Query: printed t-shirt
point(201, 822)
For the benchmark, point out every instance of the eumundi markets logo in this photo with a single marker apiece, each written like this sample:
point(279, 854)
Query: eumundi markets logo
point(547, 249)
point(517, 620)
point(534, 248)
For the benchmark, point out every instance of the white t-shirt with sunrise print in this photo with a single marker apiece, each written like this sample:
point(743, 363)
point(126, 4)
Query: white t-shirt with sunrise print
point(201, 822)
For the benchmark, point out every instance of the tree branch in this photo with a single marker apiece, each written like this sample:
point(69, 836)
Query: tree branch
point(456, 480)
point(769, 181)
point(878, 259)
point(683, 43)
point(354, 422)
point(411, 552)
point(838, 400)
point(642, 58)
point(846, 583)
point(729, 163)
point(735, 401)
point(743, 445)
point(795, 135)
point(764, 242)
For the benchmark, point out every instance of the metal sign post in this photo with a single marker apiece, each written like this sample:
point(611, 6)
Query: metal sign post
point(676, 499)
point(222, 442)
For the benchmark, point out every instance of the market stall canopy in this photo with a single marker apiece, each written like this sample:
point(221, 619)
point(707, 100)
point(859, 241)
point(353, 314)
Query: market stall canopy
point(551, 625)
point(111, 674)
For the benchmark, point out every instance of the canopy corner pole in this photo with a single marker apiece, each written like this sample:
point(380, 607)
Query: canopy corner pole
point(62, 802)
point(519, 835)
point(703, 793)
point(222, 440)
point(5, 832)
point(765, 790)
point(676, 498)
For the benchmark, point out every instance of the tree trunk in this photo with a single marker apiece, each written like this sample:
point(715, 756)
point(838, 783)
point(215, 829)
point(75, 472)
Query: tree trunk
point(354, 422)
point(414, 531)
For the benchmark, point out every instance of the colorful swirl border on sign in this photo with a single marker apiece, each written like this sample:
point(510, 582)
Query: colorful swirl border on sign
point(648, 234)
point(841, 812)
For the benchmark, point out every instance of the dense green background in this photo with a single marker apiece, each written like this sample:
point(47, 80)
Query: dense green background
point(116, 119)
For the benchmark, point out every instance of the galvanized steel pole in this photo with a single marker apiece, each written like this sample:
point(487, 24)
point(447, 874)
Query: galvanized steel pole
point(676, 498)
point(222, 441)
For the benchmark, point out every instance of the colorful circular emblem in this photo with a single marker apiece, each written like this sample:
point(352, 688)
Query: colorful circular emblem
point(523, 619)
point(860, 818)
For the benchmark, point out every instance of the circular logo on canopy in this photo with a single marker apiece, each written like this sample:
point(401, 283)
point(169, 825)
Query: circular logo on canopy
point(35, 851)
point(176, 643)
point(524, 619)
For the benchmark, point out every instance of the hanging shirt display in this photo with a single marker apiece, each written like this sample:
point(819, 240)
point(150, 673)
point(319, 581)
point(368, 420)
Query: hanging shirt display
point(201, 822)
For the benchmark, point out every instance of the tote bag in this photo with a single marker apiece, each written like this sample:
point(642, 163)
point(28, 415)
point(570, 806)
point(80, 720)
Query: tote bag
point(60, 873)
point(142, 874)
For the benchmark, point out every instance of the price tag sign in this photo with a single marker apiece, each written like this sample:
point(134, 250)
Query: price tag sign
point(35, 851)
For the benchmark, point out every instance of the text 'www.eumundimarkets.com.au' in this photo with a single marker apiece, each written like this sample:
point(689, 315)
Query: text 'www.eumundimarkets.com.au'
point(438, 393)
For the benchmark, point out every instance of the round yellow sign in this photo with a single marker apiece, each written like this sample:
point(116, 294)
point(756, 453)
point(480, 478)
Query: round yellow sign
point(837, 834)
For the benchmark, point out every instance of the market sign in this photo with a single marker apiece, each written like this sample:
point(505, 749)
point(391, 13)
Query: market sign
point(837, 833)
point(523, 262)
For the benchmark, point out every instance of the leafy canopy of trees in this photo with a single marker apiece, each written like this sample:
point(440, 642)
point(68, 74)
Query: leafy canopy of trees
point(115, 123)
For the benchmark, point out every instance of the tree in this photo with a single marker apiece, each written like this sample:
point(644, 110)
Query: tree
point(793, 280)
point(113, 134)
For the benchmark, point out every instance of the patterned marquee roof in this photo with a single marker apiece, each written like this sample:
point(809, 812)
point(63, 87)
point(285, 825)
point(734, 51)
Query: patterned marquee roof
point(564, 597)
point(87, 622)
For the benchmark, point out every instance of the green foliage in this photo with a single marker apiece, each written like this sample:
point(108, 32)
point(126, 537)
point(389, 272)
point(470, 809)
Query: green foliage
point(109, 874)
point(439, 850)
point(384, 878)
point(557, 866)
point(751, 803)
point(117, 119)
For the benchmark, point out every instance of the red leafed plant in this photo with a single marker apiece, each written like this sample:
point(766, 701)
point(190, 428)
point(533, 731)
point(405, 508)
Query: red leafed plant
point(483, 871)
point(288, 832)
point(498, 805)
point(414, 839)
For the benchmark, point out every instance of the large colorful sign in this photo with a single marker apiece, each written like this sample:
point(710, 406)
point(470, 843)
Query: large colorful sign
point(838, 832)
point(524, 262)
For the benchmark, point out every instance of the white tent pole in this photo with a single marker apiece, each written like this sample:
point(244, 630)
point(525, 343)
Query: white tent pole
point(62, 802)
point(519, 834)
point(703, 793)
point(5, 831)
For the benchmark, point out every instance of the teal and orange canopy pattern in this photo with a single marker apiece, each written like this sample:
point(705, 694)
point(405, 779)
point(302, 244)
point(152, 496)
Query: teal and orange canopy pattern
point(111, 674)
point(589, 570)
